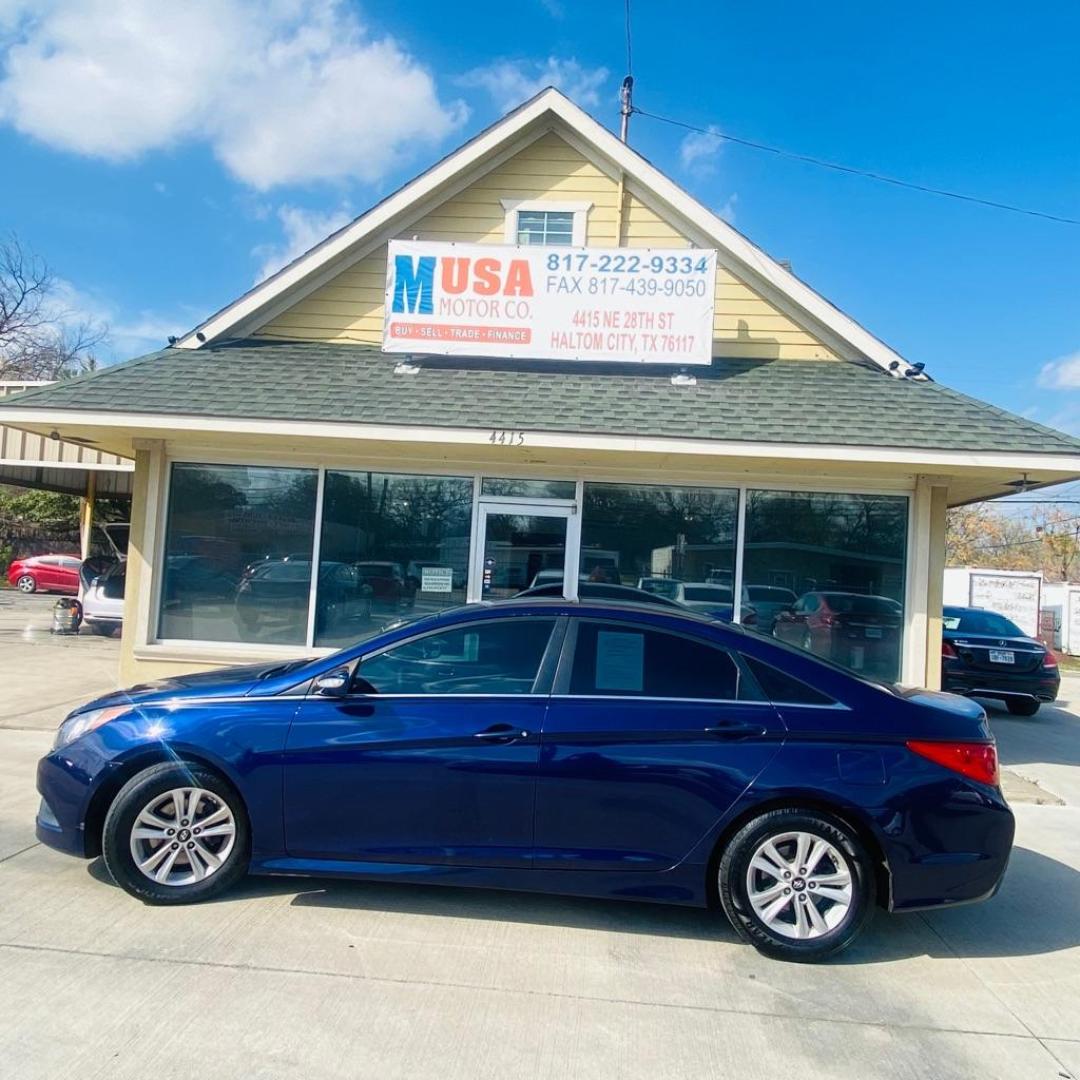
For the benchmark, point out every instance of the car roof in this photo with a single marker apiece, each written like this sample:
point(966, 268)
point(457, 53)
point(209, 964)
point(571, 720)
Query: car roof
point(591, 606)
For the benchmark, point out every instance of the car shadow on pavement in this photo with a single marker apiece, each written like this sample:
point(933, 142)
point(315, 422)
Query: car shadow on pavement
point(1050, 737)
point(1017, 922)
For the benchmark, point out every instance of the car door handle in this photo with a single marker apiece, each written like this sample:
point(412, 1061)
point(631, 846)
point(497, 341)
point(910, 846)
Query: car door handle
point(735, 729)
point(501, 733)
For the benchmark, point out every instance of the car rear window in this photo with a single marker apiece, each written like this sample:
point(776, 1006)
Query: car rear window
point(974, 621)
point(781, 688)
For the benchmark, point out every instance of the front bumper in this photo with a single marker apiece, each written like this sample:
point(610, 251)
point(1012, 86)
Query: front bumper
point(67, 781)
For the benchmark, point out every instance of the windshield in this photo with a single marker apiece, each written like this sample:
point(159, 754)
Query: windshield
point(974, 621)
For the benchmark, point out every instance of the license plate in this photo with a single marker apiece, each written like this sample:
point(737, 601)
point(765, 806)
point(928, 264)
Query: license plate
point(1002, 656)
point(873, 631)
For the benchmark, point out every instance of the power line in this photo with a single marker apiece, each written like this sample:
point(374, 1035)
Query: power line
point(881, 177)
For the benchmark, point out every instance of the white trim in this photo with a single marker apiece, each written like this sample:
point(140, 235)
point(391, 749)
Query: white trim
point(914, 458)
point(316, 551)
point(740, 546)
point(580, 210)
point(86, 466)
point(548, 104)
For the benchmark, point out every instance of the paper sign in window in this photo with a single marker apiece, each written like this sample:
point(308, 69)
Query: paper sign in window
point(620, 661)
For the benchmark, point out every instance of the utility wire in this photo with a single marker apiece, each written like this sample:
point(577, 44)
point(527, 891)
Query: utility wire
point(821, 163)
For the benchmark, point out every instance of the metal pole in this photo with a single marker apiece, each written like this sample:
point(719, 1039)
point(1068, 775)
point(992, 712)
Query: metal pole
point(626, 106)
point(86, 514)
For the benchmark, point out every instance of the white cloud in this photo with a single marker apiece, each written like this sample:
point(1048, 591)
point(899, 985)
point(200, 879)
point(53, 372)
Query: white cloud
point(303, 229)
point(1061, 374)
point(127, 335)
point(283, 91)
point(727, 211)
point(510, 82)
point(698, 150)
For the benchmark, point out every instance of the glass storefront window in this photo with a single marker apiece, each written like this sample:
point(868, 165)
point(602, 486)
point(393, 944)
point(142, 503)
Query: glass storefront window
point(238, 554)
point(392, 546)
point(825, 571)
point(528, 489)
point(677, 542)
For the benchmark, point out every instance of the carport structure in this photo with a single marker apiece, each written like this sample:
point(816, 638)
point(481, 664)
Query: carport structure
point(45, 462)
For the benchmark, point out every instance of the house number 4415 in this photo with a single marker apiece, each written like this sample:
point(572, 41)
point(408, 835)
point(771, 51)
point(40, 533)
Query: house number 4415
point(501, 437)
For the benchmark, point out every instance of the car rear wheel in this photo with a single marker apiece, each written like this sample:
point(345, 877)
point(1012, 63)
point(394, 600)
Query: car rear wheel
point(796, 884)
point(176, 834)
point(102, 629)
point(1022, 706)
point(26, 584)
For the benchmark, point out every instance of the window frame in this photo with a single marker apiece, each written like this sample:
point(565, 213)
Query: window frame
point(580, 210)
point(542, 683)
point(561, 686)
point(149, 646)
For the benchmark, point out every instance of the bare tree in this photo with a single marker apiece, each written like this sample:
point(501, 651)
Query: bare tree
point(39, 338)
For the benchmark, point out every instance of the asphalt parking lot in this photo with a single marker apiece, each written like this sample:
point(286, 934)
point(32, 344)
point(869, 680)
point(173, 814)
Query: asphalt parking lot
point(288, 978)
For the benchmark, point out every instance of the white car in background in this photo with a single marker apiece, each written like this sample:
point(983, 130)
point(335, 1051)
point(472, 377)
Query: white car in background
point(101, 582)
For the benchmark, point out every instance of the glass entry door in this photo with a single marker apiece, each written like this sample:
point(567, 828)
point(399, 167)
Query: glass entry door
point(523, 545)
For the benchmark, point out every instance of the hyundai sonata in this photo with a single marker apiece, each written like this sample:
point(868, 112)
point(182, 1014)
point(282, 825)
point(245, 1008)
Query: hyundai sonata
point(590, 748)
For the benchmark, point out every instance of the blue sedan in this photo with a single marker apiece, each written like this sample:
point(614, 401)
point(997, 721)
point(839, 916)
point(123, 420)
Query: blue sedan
point(590, 749)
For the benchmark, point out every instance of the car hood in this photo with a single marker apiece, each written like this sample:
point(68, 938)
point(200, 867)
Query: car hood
point(236, 681)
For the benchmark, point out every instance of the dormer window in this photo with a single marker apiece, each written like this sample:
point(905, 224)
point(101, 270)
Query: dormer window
point(539, 221)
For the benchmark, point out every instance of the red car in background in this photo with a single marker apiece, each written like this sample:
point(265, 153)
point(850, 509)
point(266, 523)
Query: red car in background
point(46, 573)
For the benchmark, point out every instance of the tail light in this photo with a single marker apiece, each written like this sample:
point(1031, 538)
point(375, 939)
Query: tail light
point(977, 761)
point(948, 652)
point(1050, 660)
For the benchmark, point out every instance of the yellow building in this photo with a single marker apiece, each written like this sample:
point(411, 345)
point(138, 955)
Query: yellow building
point(306, 471)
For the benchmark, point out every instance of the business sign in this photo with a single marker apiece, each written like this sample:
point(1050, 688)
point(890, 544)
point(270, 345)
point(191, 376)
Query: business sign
point(649, 305)
point(1016, 596)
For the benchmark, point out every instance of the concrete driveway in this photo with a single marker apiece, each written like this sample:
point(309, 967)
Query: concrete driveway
point(307, 979)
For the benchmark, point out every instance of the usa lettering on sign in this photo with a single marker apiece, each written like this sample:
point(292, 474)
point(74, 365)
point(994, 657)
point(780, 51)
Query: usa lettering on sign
point(647, 305)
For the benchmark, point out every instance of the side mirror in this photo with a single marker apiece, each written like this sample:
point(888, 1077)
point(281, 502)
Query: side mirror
point(333, 683)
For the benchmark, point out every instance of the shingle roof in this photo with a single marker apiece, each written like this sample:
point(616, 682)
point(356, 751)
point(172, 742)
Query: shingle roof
point(811, 402)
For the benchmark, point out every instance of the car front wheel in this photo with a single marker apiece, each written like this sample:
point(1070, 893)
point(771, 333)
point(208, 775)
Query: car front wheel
point(176, 834)
point(796, 884)
point(26, 584)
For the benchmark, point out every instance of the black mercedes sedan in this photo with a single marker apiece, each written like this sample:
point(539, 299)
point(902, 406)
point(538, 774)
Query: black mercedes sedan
point(983, 654)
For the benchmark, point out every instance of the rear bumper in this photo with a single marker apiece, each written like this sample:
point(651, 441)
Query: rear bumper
point(958, 855)
point(1037, 685)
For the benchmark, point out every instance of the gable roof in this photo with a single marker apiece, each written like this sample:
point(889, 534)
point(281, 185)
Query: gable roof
point(548, 110)
point(797, 402)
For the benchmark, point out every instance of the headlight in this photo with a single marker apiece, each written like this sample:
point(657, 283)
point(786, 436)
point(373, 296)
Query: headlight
point(78, 725)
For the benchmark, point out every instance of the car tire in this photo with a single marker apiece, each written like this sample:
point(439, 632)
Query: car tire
point(26, 584)
point(1021, 707)
point(168, 792)
point(102, 629)
point(840, 888)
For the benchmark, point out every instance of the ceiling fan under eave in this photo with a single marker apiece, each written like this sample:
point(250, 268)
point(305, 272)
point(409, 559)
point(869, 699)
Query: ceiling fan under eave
point(55, 436)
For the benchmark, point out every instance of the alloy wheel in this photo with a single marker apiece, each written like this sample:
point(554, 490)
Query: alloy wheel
point(799, 885)
point(183, 836)
point(26, 584)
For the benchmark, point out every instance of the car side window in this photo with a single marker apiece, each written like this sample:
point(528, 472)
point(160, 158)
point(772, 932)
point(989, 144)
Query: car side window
point(496, 657)
point(635, 661)
point(781, 688)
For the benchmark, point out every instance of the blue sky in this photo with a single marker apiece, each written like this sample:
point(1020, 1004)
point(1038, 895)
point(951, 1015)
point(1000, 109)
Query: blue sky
point(162, 157)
